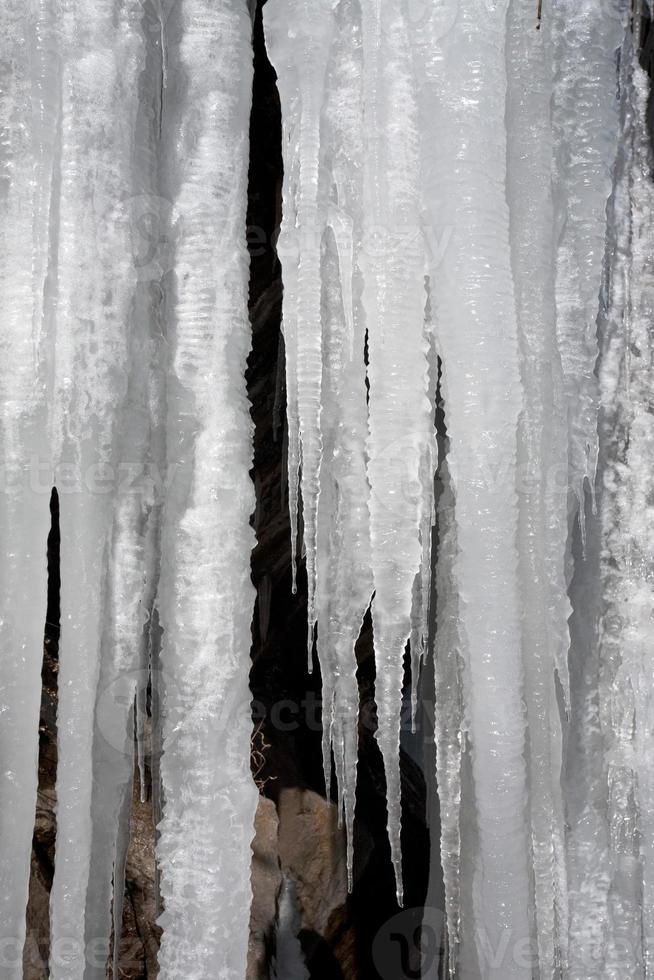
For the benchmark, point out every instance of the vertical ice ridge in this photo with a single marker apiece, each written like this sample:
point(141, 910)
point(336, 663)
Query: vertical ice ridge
point(462, 98)
point(206, 599)
point(586, 123)
point(343, 532)
point(120, 699)
point(299, 40)
point(627, 541)
point(542, 457)
point(448, 713)
point(102, 53)
point(587, 36)
point(428, 465)
point(400, 417)
point(29, 87)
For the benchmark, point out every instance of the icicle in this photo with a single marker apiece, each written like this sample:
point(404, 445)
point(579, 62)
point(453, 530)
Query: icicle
point(448, 716)
point(298, 40)
point(206, 599)
point(123, 652)
point(29, 93)
point(628, 539)
point(280, 390)
point(400, 423)
point(422, 582)
point(587, 35)
point(463, 75)
point(542, 457)
point(342, 225)
point(102, 57)
point(343, 517)
point(586, 137)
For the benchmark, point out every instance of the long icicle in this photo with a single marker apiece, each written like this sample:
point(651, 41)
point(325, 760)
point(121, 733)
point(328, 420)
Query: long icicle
point(587, 38)
point(627, 437)
point(401, 429)
point(344, 540)
point(300, 53)
point(463, 89)
point(103, 54)
point(206, 599)
point(542, 460)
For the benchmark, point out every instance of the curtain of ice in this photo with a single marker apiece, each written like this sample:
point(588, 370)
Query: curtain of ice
point(354, 273)
point(96, 301)
point(494, 135)
point(447, 170)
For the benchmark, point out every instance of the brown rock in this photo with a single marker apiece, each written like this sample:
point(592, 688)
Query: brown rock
point(266, 886)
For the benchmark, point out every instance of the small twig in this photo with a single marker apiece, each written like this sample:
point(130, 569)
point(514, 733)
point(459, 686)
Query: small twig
point(539, 15)
point(258, 758)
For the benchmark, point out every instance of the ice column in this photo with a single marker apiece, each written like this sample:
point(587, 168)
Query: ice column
point(206, 598)
point(587, 36)
point(587, 40)
point(542, 464)
point(132, 551)
point(463, 89)
point(627, 666)
point(29, 94)
point(102, 53)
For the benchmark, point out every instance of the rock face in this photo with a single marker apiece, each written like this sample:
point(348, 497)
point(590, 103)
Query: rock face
point(266, 887)
point(297, 833)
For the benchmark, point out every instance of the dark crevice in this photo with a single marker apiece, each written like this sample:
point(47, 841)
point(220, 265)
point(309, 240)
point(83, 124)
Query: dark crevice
point(291, 757)
point(37, 948)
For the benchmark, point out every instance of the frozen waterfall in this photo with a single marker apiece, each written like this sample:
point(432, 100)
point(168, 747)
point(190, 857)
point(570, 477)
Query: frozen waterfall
point(466, 230)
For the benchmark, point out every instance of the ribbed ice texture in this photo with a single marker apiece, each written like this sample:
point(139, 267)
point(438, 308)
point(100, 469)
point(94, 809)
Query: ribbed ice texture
point(401, 430)
point(587, 35)
point(449, 722)
point(206, 598)
point(462, 101)
point(585, 117)
point(627, 667)
point(102, 54)
point(84, 260)
point(28, 96)
point(450, 169)
point(542, 466)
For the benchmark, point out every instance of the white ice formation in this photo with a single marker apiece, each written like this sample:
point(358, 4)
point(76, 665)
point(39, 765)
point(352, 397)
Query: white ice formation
point(467, 226)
